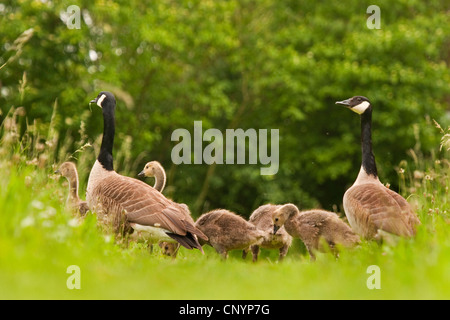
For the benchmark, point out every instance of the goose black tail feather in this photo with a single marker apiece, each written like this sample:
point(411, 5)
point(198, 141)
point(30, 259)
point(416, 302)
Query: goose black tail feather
point(188, 241)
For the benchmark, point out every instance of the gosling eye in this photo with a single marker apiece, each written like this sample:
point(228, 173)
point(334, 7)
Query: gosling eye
point(276, 219)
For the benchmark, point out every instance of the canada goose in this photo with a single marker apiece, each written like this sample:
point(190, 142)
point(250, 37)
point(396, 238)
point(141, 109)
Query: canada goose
point(69, 171)
point(314, 226)
point(372, 209)
point(228, 231)
point(130, 202)
point(261, 218)
point(156, 170)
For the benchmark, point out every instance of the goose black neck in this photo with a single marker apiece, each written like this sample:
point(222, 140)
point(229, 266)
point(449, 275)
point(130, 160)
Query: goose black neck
point(105, 156)
point(368, 158)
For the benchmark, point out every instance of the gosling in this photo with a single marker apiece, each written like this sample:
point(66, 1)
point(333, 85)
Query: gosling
point(228, 231)
point(74, 203)
point(315, 228)
point(156, 170)
point(169, 249)
point(262, 219)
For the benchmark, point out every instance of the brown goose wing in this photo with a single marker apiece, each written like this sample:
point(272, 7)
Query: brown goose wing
point(168, 218)
point(411, 218)
point(144, 205)
point(374, 207)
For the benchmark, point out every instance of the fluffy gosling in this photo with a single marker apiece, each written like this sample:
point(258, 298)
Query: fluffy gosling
point(228, 231)
point(69, 171)
point(318, 229)
point(261, 218)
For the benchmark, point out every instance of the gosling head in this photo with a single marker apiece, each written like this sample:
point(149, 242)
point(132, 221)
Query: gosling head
point(280, 215)
point(104, 100)
point(150, 169)
point(169, 249)
point(67, 169)
point(358, 104)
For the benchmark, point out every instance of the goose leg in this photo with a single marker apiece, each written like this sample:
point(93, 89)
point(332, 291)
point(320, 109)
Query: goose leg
point(255, 251)
point(283, 252)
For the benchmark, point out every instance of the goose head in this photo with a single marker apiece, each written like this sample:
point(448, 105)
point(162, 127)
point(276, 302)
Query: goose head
point(283, 213)
point(358, 104)
point(150, 169)
point(104, 100)
point(67, 169)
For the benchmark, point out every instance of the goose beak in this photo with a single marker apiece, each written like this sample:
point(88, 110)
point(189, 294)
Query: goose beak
point(344, 102)
point(275, 229)
point(141, 174)
point(99, 100)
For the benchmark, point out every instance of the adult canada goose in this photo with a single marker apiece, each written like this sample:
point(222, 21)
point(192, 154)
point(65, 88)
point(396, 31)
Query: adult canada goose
point(69, 171)
point(130, 202)
point(315, 228)
point(372, 209)
point(156, 170)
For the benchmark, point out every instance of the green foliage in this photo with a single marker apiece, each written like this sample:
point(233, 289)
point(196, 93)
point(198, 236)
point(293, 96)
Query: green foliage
point(232, 64)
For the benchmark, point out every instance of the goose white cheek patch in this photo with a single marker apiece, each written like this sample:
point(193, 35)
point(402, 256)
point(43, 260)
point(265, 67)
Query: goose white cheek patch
point(100, 100)
point(360, 108)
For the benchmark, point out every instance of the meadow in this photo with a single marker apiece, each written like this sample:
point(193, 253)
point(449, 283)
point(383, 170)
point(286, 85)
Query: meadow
point(40, 239)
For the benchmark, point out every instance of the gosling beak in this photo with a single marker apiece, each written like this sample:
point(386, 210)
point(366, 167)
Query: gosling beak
point(141, 174)
point(275, 229)
point(344, 102)
point(57, 171)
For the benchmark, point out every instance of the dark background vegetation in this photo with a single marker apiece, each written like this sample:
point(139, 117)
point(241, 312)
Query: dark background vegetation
point(232, 64)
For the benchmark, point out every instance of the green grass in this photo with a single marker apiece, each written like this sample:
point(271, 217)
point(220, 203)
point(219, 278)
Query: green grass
point(39, 240)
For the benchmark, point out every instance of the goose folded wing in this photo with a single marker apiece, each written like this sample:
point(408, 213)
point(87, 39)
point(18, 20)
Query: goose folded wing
point(166, 216)
point(408, 212)
point(143, 204)
point(168, 219)
point(377, 207)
